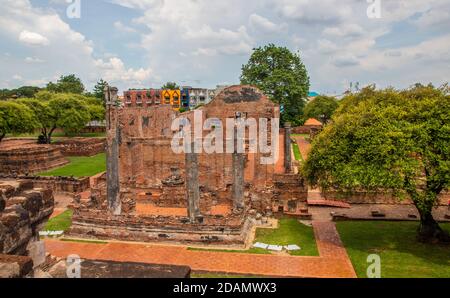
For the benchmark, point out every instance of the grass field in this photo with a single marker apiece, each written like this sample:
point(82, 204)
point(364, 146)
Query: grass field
point(290, 231)
point(395, 242)
point(61, 222)
point(297, 154)
point(80, 167)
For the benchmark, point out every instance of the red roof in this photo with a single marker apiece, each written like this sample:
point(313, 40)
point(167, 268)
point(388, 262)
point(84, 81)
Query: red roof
point(313, 122)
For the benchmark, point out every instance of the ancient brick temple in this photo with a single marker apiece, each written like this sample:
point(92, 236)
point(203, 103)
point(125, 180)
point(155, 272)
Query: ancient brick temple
point(150, 192)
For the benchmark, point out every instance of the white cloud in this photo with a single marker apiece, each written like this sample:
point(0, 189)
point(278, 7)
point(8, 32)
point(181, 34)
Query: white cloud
point(346, 30)
point(123, 28)
point(259, 23)
point(33, 38)
point(33, 60)
point(67, 51)
point(114, 71)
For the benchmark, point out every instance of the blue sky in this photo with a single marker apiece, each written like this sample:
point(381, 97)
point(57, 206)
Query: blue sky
point(144, 43)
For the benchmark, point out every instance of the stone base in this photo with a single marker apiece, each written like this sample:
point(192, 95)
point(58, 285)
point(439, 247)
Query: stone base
point(25, 157)
point(213, 230)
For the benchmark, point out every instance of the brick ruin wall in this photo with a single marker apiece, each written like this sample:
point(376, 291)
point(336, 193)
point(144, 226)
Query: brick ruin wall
point(67, 185)
point(152, 175)
point(362, 197)
point(306, 129)
point(29, 159)
point(23, 211)
point(81, 146)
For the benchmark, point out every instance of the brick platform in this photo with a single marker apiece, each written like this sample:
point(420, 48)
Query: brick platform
point(332, 262)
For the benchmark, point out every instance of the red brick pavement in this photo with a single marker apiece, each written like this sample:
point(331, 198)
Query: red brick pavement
point(332, 262)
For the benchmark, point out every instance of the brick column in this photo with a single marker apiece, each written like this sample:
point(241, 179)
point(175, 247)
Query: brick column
point(112, 152)
point(192, 185)
point(238, 176)
point(287, 148)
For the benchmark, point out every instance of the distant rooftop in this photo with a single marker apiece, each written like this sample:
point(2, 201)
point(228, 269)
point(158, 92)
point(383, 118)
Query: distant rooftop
point(312, 122)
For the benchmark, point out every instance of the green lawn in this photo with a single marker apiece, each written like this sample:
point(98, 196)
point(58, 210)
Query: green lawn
point(290, 231)
point(61, 222)
point(305, 135)
point(81, 167)
point(395, 242)
point(297, 154)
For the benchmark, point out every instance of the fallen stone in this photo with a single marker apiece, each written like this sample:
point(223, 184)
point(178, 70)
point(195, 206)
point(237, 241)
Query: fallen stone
point(275, 247)
point(260, 245)
point(292, 247)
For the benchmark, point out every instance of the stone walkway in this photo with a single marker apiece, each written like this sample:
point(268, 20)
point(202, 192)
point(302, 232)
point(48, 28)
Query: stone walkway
point(332, 262)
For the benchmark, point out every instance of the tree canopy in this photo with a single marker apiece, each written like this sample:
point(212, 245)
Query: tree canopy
point(67, 84)
point(170, 86)
point(321, 107)
point(388, 140)
point(15, 118)
point(99, 89)
point(68, 111)
point(282, 76)
point(24, 91)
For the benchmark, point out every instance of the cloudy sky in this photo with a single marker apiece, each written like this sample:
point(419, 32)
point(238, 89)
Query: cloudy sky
point(144, 43)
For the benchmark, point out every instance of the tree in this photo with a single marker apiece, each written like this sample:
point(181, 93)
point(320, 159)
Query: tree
point(388, 141)
point(15, 118)
point(70, 112)
point(67, 84)
point(170, 86)
point(96, 112)
point(321, 107)
point(21, 92)
point(44, 117)
point(98, 89)
point(282, 76)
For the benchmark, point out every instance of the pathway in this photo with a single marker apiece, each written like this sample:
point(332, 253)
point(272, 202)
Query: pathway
point(332, 262)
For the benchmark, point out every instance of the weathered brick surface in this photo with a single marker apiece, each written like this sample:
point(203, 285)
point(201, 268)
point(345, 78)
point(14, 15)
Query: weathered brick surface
point(22, 157)
point(56, 184)
point(153, 177)
point(81, 146)
point(26, 208)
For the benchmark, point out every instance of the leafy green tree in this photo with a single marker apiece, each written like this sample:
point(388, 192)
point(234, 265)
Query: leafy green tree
point(170, 86)
point(282, 76)
point(15, 118)
point(388, 141)
point(44, 116)
point(21, 92)
point(97, 112)
point(322, 108)
point(67, 84)
point(98, 89)
point(69, 113)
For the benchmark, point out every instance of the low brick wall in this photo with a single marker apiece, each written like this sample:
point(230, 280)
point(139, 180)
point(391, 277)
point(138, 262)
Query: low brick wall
point(81, 146)
point(26, 157)
point(57, 184)
point(378, 198)
point(305, 129)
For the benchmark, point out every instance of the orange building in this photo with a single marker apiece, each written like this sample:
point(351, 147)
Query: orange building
point(172, 97)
